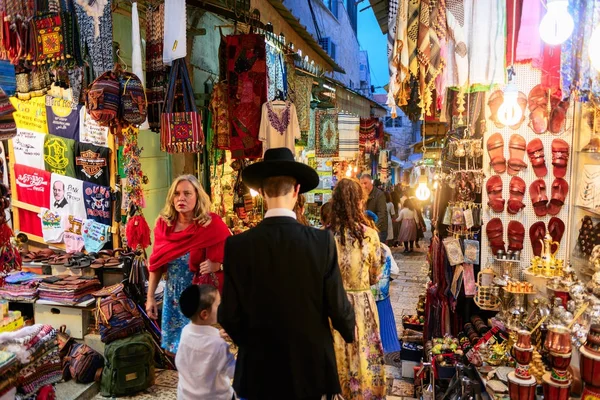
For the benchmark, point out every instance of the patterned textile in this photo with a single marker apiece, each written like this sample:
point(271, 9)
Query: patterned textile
point(391, 36)
point(220, 123)
point(529, 43)
point(577, 72)
point(513, 24)
point(457, 70)
point(276, 72)
point(397, 93)
point(360, 364)
point(413, 36)
point(247, 78)
point(96, 34)
point(327, 138)
point(303, 94)
point(370, 131)
point(179, 277)
point(349, 127)
point(551, 67)
point(50, 44)
point(312, 134)
point(156, 71)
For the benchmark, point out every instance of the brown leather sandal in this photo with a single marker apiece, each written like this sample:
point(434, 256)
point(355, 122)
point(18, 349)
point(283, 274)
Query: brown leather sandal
point(560, 189)
point(516, 148)
point(495, 234)
point(535, 151)
point(517, 193)
point(494, 190)
point(516, 235)
point(539, 199)
point(495, 147)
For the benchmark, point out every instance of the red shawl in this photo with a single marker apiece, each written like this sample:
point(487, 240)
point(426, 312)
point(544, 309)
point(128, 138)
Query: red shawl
point(169, 245)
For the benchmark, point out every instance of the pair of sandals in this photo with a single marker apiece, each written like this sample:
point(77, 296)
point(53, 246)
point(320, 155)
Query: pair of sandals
point(495, 234)
point(106, 258)
point(516, 148)
point(547, 110)
point(38, 256)
point(537, 233)
point(560, 157)
point(541, 205)
point(516, 190)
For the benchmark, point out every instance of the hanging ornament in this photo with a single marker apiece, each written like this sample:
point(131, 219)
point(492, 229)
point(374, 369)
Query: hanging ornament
point(557, 25)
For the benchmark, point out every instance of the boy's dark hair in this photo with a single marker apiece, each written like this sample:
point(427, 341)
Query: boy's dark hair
point(196, 298)
point(277, 186)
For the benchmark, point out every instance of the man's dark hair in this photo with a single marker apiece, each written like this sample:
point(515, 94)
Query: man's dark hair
point(278, 186)
point(196, 298)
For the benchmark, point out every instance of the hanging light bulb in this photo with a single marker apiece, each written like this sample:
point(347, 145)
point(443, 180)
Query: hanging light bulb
point(435, 185)
point(253, 193)
point(422, 191)
point(349, 172)
point(510, 112)
point(557, 25)
point(594, 49)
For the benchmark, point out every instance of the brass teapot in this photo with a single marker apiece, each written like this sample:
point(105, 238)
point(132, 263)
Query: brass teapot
point(547, 265)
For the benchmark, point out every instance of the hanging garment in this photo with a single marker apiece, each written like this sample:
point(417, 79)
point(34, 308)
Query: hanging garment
point(279, 125)
point(67, 196)
point(551, 67)
point(391, 35)
point(58, 155)
point(514, 14)
point(397, 95)
point(413, 36)
point(92, 163)
point(220, 110)
point(529, 43)
point(368, 135)
point(62, 119)
point(349, 127)
point(52, 225)
point(303, 96)
point(156, 71)
point(327, 139)
point(95, 235)
point(136, 52)
point(33, 187)
point(247, 77)
point(98, 203)
point(175, 45)
point(96, 33)
point(276, 72)
point(28, 148)
point(73, 234)
point(457, 68)
point(90, 131)
point(310, 142)
point(440, 26)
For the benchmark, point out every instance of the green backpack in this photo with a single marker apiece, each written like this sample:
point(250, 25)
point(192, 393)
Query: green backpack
point(129, 365)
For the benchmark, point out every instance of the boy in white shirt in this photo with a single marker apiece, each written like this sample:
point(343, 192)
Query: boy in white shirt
point(203, 359)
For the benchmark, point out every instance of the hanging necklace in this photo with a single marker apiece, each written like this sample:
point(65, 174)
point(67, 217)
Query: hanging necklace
point(279, 123)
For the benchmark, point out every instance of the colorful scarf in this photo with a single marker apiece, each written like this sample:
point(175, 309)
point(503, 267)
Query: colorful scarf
point(220, 123)
point(170, 245)
point(327, 135)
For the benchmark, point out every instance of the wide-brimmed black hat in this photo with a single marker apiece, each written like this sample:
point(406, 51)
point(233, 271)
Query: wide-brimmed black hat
point(280, 162)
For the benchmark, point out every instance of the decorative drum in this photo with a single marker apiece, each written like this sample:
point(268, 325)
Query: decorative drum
point(521, 389)
point(554, 390)
point(589, 366)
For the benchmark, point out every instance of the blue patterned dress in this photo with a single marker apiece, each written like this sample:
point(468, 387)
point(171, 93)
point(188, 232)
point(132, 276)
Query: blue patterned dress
point(179, 277)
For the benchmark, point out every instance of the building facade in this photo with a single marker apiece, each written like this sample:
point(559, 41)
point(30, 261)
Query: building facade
point(365, 75)
point(334, 24)
point(403, 132)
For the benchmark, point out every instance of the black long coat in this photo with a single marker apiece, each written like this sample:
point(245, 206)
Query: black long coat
point(282, 287)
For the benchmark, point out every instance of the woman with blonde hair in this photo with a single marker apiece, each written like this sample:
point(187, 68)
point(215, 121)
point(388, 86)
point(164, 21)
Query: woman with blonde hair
point(189, 242)
point(360, 364)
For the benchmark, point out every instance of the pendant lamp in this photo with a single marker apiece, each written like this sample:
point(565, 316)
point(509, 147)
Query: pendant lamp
point(557, 25)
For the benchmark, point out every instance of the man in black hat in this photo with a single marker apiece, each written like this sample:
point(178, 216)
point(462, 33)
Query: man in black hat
point(282, 287)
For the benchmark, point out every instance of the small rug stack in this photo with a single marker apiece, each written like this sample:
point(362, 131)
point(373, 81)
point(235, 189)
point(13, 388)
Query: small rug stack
point(20, 286)
point(68, 289)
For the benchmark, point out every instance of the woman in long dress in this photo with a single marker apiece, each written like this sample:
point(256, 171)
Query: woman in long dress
point(360, 364)
point(408, 227)
point(188, 247)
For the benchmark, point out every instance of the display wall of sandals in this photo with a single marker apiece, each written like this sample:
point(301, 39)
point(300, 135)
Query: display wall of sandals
point(527, 168)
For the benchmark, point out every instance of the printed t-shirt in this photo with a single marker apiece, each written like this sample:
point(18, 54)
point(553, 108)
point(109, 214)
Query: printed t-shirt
point(52, 225)
point(91, 163)
point(58, 155)
point(73, 234)
point(66, 195)
point(29, 148)
point(90, 131)
point(98, 202)
point(63, 120)
point(95, 235)
point(33, 187)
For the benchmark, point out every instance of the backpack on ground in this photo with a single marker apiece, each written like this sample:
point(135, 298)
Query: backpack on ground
point(129, 365)
point(83, 364)
point(117, 315)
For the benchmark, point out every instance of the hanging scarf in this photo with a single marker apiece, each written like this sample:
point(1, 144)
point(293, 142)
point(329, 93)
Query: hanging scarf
point(413, 35)
point(528, 41)
point(397, 95)
point(170, 245)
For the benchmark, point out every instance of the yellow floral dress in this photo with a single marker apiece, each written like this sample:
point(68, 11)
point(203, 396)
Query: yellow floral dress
point(360, 364)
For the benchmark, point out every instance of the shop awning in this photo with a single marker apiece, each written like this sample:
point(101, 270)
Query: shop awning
point(353, 102)
point(381, 9)
point(304, 34)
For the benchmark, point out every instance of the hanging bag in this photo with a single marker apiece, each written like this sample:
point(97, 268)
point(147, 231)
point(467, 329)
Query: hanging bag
point(103, 100)
point(181, 132)
point(8, 128)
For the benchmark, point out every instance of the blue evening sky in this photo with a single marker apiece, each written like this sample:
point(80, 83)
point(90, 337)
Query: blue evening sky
point(375, 42)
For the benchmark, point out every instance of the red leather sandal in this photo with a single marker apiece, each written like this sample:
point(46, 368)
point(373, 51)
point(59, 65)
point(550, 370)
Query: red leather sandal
point(539, 199)
point(495, 147)
point(516, 235)
point(556, 229)
point(495, 234)
point(516, 148)
point(560, 157)
point(560, 189)
point(494, 190)
point(517, 192)
point(535, 151)
point(537, 232)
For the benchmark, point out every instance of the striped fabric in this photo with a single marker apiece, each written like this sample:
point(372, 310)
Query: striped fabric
point(348, 127)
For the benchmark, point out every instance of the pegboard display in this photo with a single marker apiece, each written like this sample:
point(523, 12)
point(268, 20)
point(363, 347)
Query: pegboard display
point(526, 78)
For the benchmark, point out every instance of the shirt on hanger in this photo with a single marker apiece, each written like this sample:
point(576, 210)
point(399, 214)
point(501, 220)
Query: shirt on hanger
point(92, 163)
point(33, 186)
point(28, 148)
point(58, 155)
point(52, 225)
point(279, 125)
point(62, 121)
point(67, 195)
point(90, 131)
point(98, 203)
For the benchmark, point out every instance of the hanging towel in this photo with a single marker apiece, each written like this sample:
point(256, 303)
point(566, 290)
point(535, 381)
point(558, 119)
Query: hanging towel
point(175, 27)
point(348, 126)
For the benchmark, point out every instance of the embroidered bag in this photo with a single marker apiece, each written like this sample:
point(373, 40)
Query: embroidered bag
point(134, 107)
point(8, 128)
point(116, 314)
point(103, 99)
point(180, 132)
point(83, 364)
